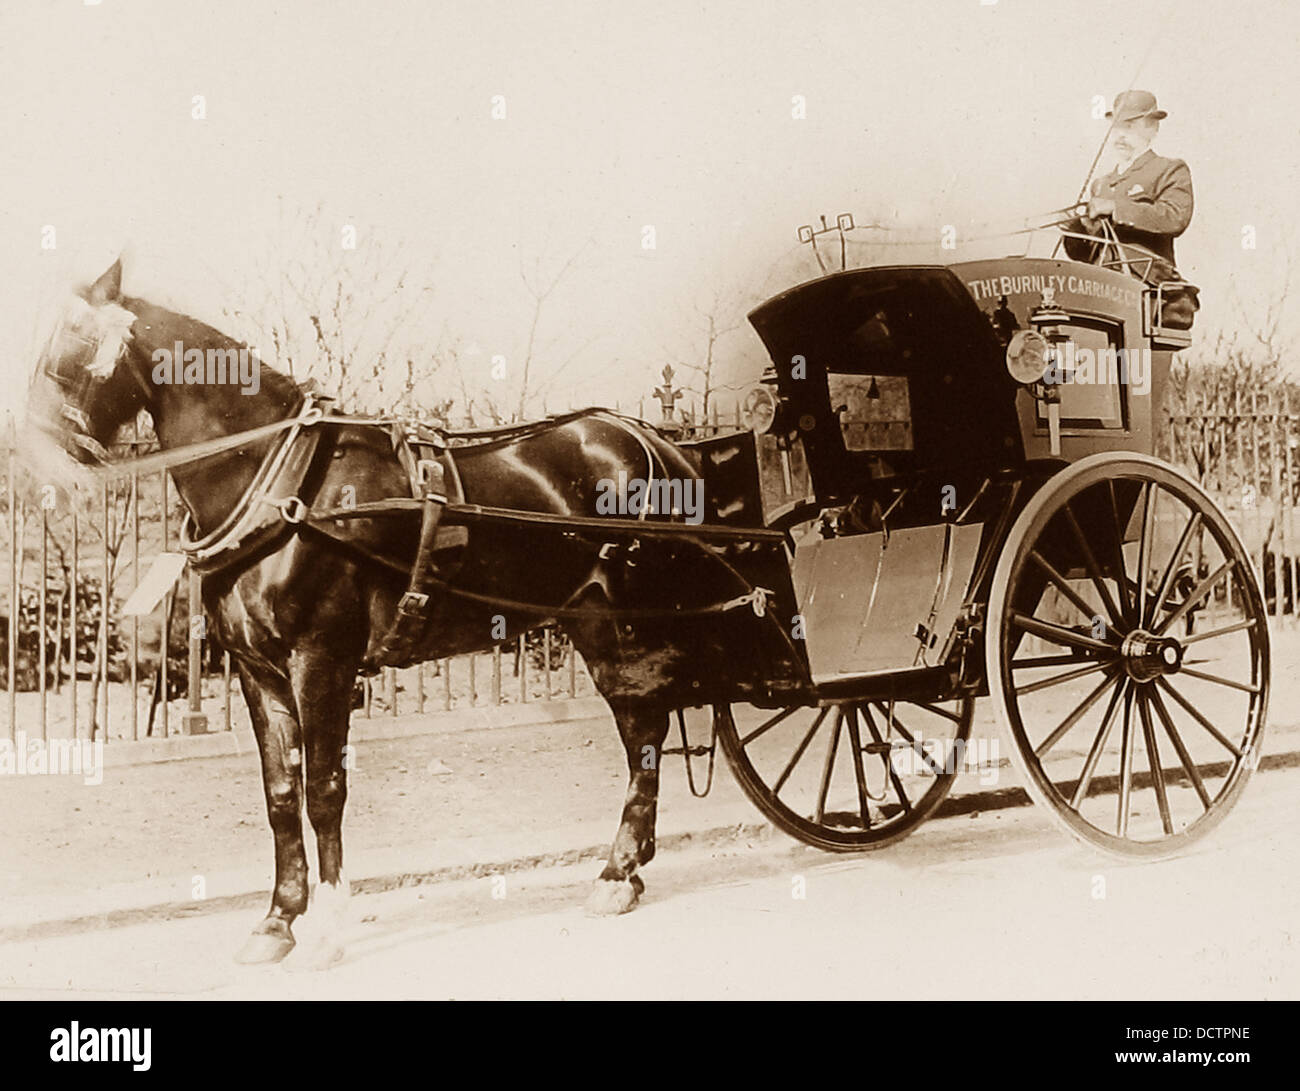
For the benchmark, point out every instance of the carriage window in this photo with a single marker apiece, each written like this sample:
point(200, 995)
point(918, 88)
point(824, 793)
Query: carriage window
point(1093, 365)
point(875, 411)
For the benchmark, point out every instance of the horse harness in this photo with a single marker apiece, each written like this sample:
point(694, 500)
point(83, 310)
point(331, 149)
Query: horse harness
point(280, 500)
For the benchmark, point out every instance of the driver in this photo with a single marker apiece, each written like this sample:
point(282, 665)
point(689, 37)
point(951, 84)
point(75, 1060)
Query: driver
point(1146, 197)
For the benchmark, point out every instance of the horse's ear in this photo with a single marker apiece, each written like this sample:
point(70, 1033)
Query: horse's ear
point(108, 287)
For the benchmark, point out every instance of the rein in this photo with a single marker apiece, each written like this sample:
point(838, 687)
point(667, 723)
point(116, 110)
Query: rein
point(309, 415)
point(295, 512)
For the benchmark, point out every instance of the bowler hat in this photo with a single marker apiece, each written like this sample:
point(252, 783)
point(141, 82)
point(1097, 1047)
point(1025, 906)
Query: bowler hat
point(1131, 105)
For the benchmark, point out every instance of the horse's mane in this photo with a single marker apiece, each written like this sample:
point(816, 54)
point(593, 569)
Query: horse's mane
point(179, 326)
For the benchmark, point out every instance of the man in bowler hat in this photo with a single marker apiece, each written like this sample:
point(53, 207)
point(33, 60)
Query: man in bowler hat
point(1146, 197)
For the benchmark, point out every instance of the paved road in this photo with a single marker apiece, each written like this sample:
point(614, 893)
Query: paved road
point(998, 905)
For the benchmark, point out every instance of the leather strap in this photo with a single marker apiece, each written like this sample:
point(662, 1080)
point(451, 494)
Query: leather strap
point(398, 646)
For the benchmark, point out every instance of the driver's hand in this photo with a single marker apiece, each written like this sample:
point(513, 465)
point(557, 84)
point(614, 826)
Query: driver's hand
point(1101, 206)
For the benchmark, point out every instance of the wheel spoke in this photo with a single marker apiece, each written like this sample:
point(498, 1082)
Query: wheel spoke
point(1171, 569)
point(1063, 660)
point(1146, 498)
point(1057, 679)
point(1058, 634)
point(1074, 717)
point(1098, 744)
point(1235, 628)
point(1125, 765)
point(1202, 589)
point(859, 774)
point(828, 767)
point(1118, 540)
point(1245, 687)
point(953, 716)
point(1094, 569)
point(1196, 715)
point(1063, 586)
point(1153, 763)
point(1189, 766)
point(799, 752)
point(892, 719)
point(762, 728)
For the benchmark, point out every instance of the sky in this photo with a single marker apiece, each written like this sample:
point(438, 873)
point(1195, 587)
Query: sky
point(674, 116)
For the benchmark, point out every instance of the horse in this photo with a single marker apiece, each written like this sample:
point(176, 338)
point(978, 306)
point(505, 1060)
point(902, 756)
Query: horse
point(304, 613)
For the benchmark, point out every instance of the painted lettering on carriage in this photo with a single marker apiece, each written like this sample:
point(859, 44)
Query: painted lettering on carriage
point(634, 496)
point(1035, 283)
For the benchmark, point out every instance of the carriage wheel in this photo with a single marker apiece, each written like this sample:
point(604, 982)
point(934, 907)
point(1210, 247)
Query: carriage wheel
point(850, 776)
point(1088, 669)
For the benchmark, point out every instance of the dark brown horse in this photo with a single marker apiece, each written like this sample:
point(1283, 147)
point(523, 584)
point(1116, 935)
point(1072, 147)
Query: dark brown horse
point(305, 612)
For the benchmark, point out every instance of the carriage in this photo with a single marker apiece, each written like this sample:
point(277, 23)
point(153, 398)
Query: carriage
point(960, 458)
point(946, 491)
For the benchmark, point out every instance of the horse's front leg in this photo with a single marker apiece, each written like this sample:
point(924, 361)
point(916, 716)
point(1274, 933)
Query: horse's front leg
point(643, 729)
point(322, 686)
point(279, 742)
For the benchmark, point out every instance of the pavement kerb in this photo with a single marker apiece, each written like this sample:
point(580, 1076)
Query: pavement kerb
point(968, 803)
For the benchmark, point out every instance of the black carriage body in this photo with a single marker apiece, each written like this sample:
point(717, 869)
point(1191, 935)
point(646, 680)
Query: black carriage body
point(903, 450)
point(961, 458)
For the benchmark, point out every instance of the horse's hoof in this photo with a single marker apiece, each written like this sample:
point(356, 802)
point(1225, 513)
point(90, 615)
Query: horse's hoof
point(313, 958)
point(266, 944)
point(610, 897)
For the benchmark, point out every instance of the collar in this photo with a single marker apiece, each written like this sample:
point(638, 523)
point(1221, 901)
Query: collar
point(1136, 162)
point(270, 505)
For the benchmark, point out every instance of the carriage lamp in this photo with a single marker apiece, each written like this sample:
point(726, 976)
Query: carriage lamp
point(759, 409)
point(1029, 358)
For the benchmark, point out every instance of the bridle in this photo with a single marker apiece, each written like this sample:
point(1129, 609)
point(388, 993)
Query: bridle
point(78, 386)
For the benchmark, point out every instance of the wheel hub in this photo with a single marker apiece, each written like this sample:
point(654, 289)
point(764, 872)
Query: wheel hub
point(1147, 657)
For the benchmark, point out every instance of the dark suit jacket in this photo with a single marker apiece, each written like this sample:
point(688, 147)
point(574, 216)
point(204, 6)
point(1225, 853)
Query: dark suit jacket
point(1153, 204)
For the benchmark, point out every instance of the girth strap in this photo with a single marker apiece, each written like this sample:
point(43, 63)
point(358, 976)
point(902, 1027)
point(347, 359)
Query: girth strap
point(400, 642)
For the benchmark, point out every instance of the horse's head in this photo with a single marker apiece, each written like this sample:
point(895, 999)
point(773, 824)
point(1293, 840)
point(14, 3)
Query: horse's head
point(86, 384)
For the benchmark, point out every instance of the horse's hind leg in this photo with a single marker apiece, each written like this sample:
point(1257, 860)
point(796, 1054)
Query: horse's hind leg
point(279, 743)
point(643, 729)
point(322, 687)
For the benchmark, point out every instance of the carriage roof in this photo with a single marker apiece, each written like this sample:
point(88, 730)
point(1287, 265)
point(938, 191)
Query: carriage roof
point(943, 332)
point(839, 308)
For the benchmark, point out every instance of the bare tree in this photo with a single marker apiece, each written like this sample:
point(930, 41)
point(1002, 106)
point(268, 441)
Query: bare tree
point(702, 348)
point(345, 306)
point(540, 286)
point(1221, 380)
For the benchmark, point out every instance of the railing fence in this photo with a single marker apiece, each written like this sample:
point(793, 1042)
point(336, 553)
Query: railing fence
point(75, 668)
point(74, 556)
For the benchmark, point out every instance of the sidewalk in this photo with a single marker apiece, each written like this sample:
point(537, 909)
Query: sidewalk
point(444, 795)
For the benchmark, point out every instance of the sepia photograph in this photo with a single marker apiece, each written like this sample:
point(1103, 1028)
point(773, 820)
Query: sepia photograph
point(694, 500)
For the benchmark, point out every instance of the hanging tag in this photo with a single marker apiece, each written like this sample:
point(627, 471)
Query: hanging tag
point(161, 578)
